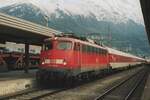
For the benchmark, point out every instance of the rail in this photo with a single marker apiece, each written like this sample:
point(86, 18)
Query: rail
point(32, 94)
point(109, 91)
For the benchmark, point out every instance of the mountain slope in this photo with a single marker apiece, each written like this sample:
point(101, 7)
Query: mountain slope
point(25, 11)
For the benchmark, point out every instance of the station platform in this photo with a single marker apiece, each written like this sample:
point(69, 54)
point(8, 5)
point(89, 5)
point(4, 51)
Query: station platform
point(15, 81)
point(146, 93)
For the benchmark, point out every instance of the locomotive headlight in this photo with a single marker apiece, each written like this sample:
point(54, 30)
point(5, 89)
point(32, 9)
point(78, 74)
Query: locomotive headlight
point(43, 62)
point(65, 63)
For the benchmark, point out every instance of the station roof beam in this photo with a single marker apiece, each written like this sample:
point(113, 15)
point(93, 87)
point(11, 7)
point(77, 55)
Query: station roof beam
point(18, 30)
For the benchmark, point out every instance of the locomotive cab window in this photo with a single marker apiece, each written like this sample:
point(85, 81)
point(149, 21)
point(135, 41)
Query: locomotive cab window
point(47, 46)
point(64, 45)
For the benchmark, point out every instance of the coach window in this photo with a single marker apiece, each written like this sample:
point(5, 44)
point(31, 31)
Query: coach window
point(64, 45)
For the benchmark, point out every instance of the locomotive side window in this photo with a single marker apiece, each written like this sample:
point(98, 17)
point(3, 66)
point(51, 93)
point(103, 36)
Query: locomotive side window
point(91, 49)
point(88, 48)
point(47, 46)
point(77, 47)
point(83, 48)
point(64, 45)
point(97, 50)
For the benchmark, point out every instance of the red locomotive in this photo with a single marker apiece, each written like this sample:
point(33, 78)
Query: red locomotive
point(69, 57)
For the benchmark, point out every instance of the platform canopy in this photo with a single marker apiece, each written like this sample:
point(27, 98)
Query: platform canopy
point(18, 30)
point(145, 5)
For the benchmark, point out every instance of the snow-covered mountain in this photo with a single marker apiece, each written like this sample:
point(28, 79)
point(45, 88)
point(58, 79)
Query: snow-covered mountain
point(120, 20)
point(107, 10)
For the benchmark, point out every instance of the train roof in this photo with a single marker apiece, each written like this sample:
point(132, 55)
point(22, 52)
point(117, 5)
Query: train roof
point(86, 42)
point(121, 53)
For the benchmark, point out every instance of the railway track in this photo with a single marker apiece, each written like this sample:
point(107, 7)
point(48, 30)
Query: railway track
point(33, 94)
point(39, 93)
point(124, 89)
